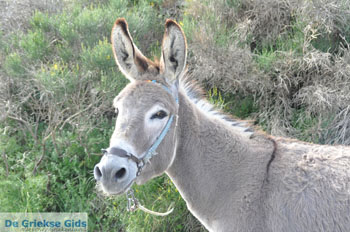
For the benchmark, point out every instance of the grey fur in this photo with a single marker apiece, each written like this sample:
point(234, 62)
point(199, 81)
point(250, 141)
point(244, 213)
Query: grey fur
point(231, 179)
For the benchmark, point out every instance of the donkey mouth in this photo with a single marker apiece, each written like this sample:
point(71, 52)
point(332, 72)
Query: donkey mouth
point(113, 191)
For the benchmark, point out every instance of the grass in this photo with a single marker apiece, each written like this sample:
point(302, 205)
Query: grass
point(58, 79)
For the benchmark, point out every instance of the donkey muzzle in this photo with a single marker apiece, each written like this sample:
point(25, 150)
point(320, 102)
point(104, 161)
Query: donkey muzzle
point(115, 171)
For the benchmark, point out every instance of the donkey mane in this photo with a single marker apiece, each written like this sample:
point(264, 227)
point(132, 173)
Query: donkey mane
point(198, 96)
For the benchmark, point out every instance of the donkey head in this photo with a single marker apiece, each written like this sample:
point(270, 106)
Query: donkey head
point(147, 111)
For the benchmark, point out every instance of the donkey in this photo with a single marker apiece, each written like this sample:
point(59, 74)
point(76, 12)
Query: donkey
point(231, 178)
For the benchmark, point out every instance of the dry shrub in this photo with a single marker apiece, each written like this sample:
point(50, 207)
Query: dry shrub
point(264, 21)
point(330, 14)
point(229, 69)
point(304, 92)
point(14, 14)
point(307, 97)
point(327, 95)
point(172, 8)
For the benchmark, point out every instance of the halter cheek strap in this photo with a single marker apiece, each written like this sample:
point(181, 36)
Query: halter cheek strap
point(151, 151)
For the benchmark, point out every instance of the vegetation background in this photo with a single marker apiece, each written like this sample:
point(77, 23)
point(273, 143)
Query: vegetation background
point(285, 65)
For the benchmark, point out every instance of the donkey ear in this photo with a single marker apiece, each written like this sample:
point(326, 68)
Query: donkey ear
point(174, 48)
point(130, 60)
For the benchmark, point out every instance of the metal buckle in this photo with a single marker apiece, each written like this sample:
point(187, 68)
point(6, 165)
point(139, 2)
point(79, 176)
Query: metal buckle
point(140, 165)
point(132, 201)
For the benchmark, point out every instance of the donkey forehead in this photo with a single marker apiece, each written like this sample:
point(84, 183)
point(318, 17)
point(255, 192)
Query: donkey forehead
point(144, 94)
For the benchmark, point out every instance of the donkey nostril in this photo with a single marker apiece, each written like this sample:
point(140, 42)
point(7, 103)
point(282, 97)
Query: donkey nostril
point(120, 173)
point(97, 173)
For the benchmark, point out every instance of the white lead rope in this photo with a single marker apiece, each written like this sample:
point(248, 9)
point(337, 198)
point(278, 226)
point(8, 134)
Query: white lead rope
point(134, 204)
point(155, 213)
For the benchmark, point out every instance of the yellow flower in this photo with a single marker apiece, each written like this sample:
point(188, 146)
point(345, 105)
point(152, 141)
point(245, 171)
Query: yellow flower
point(55, 67)
point(108, 57)
point(181, 23)
point(152, 4)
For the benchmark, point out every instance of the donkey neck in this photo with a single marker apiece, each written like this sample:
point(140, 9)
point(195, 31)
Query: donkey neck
point(215, 167)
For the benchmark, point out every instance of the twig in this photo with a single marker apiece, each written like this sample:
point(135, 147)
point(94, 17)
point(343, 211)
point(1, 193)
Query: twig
point(53, 136)
point(25, 123)
point(6, 163)
point(74, 115)
point(40, 159)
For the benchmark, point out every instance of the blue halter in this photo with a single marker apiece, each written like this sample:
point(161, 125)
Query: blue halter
point(151, 152)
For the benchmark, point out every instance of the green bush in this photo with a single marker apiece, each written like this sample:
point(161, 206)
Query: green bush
point(99, 58)
point(23, 196)
point(36, 45)
point(13, 65)
point(41, 21)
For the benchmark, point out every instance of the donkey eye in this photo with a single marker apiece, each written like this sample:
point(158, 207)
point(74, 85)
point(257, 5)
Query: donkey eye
point(159, 115)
